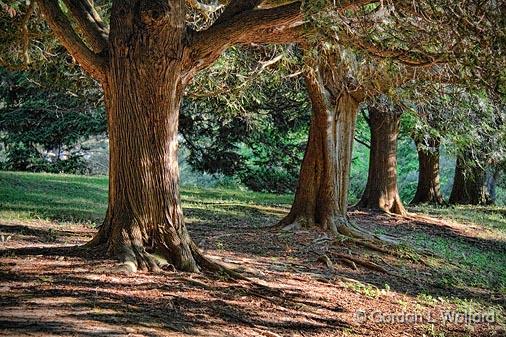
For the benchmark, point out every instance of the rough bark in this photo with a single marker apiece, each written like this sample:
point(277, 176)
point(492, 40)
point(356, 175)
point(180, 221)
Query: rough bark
point(429, 187)
point(91, 62)
point(381, 191)
point(150, 60)
point(469, 185)
point(89, 23)
point(321, 196)
point(144, 226)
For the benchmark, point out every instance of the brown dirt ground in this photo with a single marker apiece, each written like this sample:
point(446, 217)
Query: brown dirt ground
point(49, 288)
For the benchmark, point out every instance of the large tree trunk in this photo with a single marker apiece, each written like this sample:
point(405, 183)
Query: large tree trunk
point(144, 226)
point(144, 62)
point(429, 186)
point(469, 185)
point(322, 191)
point(381, 191)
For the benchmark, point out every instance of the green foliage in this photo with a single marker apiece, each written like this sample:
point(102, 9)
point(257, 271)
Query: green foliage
point(407, 168)
point(44, 113)
point(360, 160)
point(469, 123)
point(251, 125)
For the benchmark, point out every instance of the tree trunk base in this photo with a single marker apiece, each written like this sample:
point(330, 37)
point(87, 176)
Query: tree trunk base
point(339, 226)
point(293, 223)
point(395, 206)
point(429, 201)
point(134, 256)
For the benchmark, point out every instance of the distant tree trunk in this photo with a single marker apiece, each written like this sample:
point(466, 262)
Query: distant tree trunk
point(381, 191)
point(429, 186)
point(469, 185)
point(322, 191)
point(492, 185)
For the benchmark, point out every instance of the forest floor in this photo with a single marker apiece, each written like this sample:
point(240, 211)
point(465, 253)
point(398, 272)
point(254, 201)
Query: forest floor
point(49, 287)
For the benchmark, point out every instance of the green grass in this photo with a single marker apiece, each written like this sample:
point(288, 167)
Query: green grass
point(83, 199)
point(71, 198)
point(492, 217)
point(478, 261)
point(472, 265)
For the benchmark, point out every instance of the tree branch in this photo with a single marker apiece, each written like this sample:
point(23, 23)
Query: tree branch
point(89, 23)
point(240, 23)
point(363, 142)
point(24, 32)
point(276, 25)
point(366, 117)
point(93, 63)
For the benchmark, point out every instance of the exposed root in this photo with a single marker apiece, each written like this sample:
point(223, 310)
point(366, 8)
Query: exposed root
point(348, 263)
point(352, 231)
point(352, 262)
point(293, 223)
point(133, 256)
point(291, 227)
point(99, 239)
point(367, 264)
point(326, 260)
point(136, 258)
point(214, 266)
point(344, 231)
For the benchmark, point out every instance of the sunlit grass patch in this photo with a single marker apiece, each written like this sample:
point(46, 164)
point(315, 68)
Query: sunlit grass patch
point(469, 265)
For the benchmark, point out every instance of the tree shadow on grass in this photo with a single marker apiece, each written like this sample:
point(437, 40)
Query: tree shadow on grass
point(236, 227)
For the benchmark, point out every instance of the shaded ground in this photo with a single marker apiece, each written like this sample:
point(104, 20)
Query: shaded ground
point(48, 287)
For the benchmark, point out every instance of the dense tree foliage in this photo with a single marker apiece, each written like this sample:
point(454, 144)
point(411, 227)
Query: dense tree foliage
point(44, 113)
point(251, 124)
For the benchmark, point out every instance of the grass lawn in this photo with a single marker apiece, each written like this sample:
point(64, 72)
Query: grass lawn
point(83, 199)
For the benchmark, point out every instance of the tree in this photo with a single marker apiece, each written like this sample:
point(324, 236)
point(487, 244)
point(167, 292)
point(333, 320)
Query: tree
point(45, 112)
point(143, 63)
point(474, 123)
point(384, 40)
point(321, 196)
point(247, 116)
point(381, 192)
point(429, 187)
point(427, 132)
point(469, 185)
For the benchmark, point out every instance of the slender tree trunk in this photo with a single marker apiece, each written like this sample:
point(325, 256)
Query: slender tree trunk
point(144, 225)
point(429, 186)
point(381, 191)
point(322, 191)
point(469, 185)
point(492, 177)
